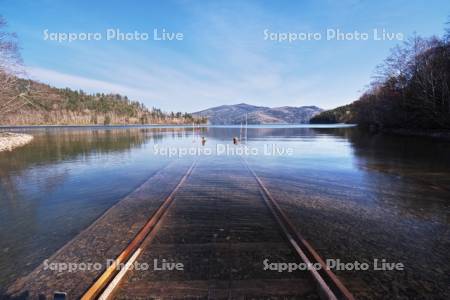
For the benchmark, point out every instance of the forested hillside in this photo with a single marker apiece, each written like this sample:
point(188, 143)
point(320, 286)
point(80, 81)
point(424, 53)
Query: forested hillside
point(341, 114)
point(27, 102)
point(412, 90)
point(42, 104)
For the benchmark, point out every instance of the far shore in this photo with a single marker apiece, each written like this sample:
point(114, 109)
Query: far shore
point(437, 134)
point(6, 127)
point(10, 141)
point(97, 125)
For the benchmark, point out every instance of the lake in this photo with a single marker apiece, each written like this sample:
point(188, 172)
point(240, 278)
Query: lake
point(353, 195)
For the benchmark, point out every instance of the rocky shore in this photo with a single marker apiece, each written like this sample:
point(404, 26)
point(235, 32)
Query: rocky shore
point(9, 141)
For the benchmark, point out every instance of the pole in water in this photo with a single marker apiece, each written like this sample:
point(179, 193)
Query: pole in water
point(246, 125)
point(240, 133)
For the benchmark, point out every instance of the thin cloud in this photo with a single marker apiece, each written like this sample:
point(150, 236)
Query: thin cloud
point(91, 85)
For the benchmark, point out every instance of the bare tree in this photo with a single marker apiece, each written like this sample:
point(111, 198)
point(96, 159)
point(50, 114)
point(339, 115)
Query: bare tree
point(14, 93)
point(447, 30)
point(10, 62)
point(9, 50)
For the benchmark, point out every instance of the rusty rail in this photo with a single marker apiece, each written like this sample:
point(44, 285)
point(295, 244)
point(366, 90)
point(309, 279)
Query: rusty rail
point(131, 252)
point(329, 285)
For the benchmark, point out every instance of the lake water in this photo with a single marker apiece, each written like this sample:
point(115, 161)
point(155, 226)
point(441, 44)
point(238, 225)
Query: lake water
point(354, 196)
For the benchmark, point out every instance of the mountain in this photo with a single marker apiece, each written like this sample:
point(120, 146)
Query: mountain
point(235, 114)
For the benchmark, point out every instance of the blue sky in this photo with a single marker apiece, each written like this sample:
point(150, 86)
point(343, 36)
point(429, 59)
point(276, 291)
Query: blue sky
point(223, 57)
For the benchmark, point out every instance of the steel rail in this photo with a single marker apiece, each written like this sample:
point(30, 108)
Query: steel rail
point(329, 284)
point(330, 287)
point(106, 281)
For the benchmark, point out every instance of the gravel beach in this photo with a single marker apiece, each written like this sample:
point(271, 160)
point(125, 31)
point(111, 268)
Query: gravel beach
point(9, 141)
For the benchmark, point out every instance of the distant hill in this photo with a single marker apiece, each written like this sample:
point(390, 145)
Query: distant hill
point(235, 114)
point(46, 105)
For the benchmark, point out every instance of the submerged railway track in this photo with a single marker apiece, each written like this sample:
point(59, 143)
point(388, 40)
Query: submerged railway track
point(220, 223)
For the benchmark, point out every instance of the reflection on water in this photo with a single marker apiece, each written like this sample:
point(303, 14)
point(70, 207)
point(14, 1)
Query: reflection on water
point(57, 185)
point(67, 177)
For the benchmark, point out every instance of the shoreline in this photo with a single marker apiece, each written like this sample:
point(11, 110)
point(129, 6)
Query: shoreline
point(9, 141)
point(275, 125)
point(435, 134)
point(442, 135)
point(96, 125)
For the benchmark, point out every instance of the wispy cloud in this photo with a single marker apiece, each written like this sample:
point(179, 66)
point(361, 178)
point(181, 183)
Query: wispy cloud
point(230, 72)
point(175, 90)
point(229, 62)
point(77, 82)
point(224, 58)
